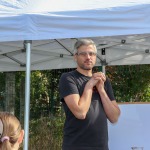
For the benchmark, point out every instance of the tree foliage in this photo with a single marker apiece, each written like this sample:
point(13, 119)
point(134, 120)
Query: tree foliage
point(2, 90)
point(130, 83)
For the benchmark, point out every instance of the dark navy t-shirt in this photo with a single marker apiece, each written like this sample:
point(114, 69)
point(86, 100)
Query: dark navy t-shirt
point(90, 133)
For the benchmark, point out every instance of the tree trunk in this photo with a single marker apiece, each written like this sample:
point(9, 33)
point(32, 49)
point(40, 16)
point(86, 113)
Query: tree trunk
point(10, 92)
point(22, 100)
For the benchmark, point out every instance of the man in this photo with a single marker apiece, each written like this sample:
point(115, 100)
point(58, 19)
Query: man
point(88, 101)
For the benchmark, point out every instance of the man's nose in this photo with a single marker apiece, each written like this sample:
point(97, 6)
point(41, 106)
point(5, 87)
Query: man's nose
point(88, 55)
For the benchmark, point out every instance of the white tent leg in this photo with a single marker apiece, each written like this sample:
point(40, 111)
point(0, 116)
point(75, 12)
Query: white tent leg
point(27, 94)
point(103, 69)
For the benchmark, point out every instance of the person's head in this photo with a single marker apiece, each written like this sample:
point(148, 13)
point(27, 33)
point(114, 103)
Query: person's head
point(11, 134)
point(85, 54)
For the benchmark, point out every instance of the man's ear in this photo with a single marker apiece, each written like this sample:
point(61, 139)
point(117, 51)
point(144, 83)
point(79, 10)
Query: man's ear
point(20, 139)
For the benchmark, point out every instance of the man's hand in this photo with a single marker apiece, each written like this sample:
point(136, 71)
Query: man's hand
point(101, 79)
point(97, 80)
point(100, 76)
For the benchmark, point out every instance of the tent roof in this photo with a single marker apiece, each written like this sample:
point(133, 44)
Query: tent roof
point(54, 19)
point(120, 29)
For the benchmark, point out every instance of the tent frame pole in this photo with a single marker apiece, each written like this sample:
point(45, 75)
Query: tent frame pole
point(27, 93)
point(103, 69)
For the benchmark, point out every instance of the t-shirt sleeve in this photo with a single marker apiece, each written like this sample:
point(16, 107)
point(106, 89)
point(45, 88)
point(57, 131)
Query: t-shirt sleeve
point(109, 89)
point(67, 86)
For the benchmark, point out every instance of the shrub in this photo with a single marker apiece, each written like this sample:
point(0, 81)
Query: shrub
point(46, 133)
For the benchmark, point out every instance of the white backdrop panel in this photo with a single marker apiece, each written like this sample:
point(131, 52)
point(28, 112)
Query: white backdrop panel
point(132, 129)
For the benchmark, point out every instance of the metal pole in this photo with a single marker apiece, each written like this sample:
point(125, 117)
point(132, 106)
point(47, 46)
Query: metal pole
point(103, 53)
point(27, 93)
point(103, 69)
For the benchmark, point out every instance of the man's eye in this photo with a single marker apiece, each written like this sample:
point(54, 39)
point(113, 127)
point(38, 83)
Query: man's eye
point(83, 53)
point(92, 53)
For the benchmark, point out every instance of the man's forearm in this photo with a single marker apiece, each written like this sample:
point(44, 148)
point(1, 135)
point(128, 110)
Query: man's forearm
point(110, 107)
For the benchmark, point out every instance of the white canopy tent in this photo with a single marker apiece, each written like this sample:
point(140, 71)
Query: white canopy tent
point(47, 30)
point(120, 29)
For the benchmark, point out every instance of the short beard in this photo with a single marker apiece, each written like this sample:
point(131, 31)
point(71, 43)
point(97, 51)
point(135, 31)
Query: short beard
point(86, 68)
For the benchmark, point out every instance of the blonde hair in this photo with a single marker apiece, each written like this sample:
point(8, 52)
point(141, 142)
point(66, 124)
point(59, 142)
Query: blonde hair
point(11, 130)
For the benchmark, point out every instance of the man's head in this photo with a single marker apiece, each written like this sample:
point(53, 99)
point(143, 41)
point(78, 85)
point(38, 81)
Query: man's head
point(85, 54)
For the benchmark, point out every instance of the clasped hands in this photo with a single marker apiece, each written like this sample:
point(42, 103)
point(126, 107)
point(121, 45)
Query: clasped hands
point(98, 80)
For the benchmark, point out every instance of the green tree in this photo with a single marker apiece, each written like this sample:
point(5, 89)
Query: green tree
point(130, 83)
point(2, 90)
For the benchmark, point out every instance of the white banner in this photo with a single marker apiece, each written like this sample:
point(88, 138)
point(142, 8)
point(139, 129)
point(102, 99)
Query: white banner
point(132, 129)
